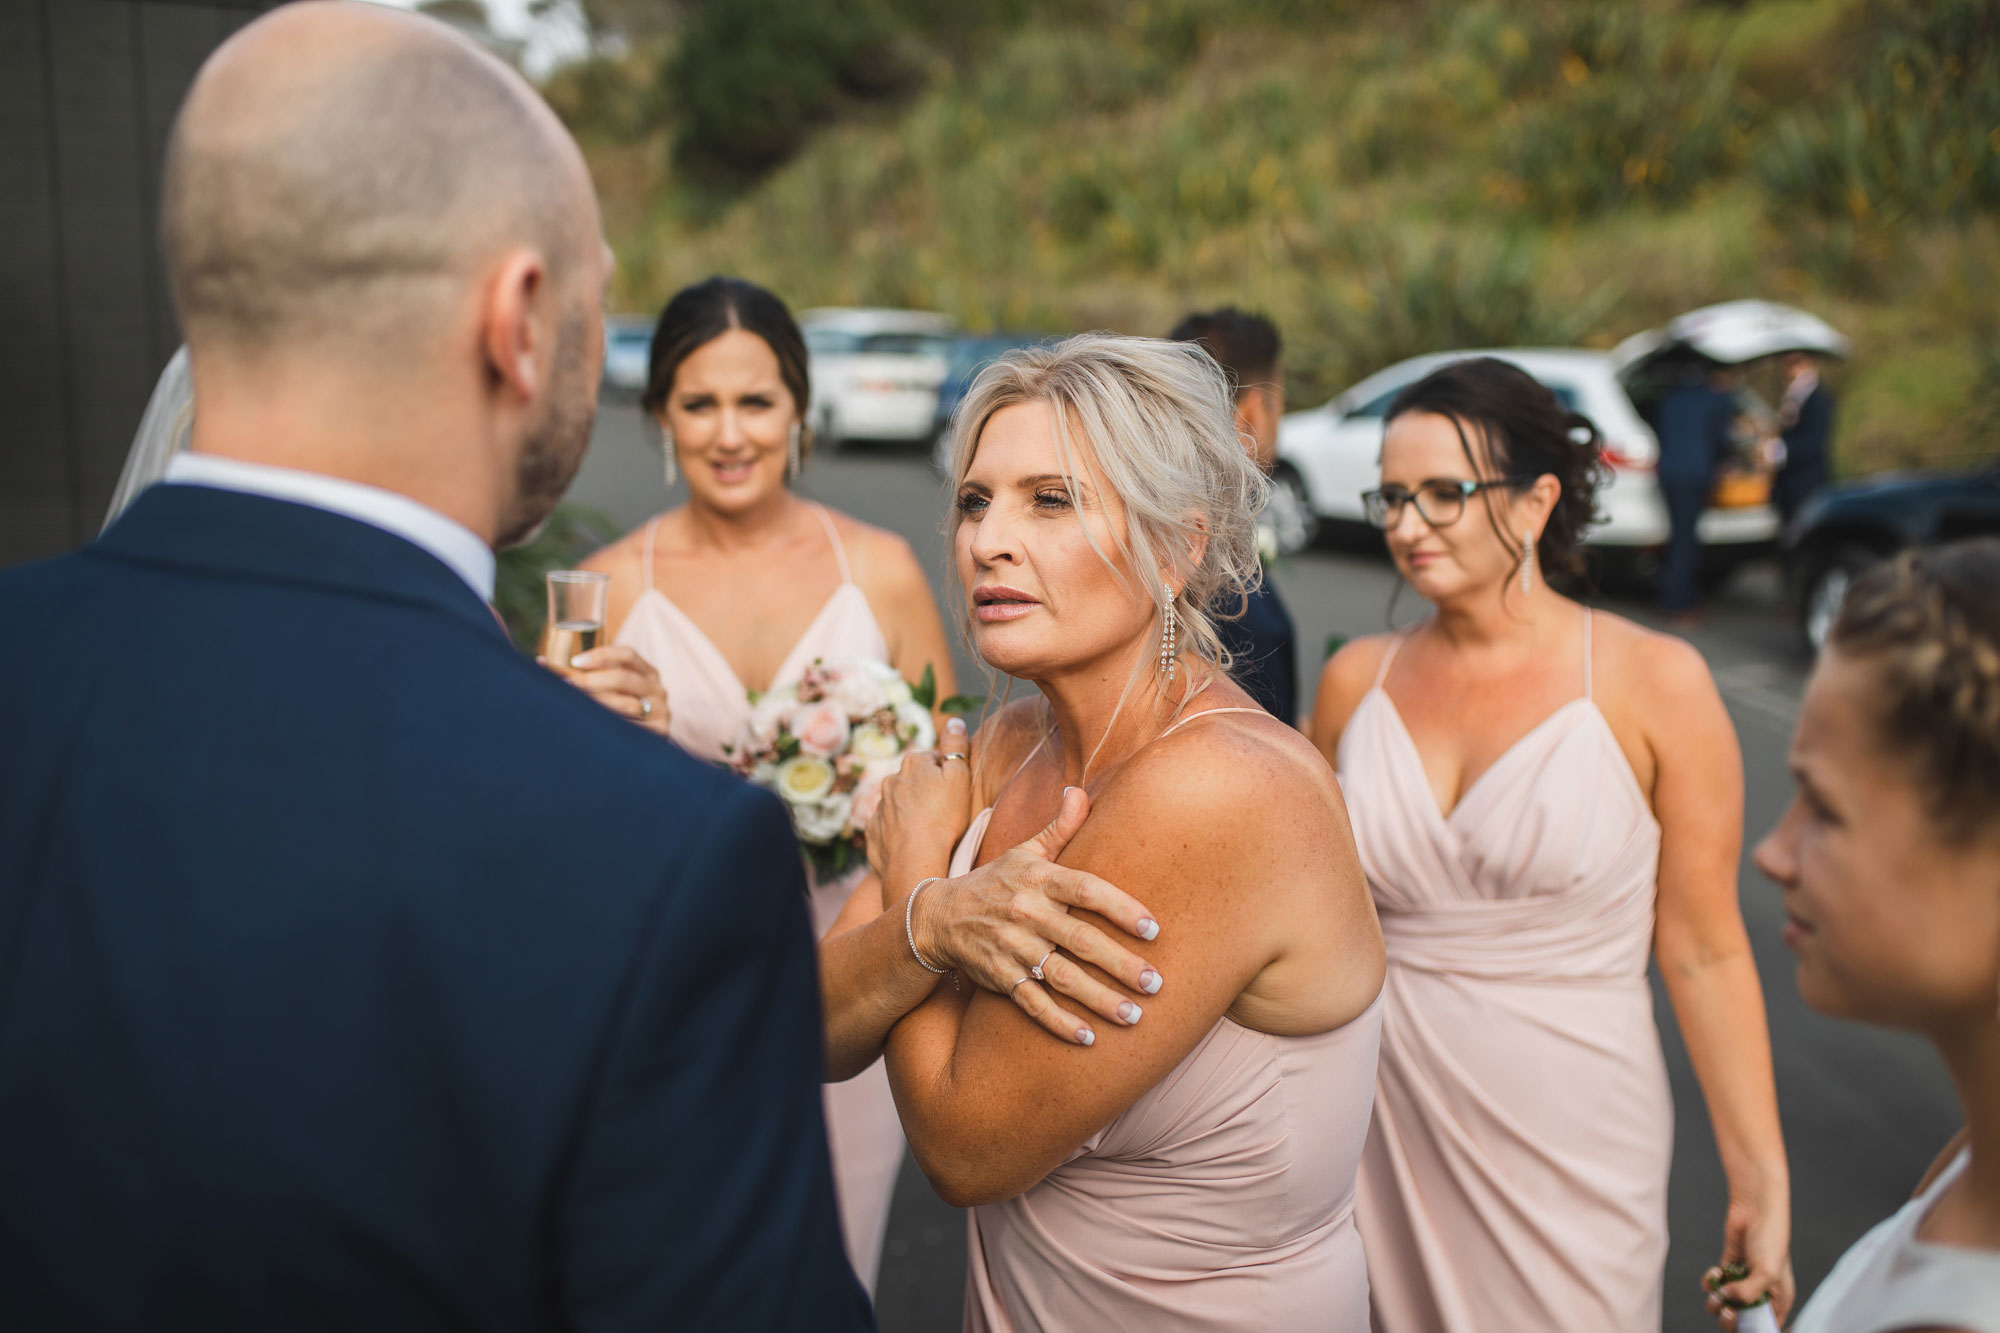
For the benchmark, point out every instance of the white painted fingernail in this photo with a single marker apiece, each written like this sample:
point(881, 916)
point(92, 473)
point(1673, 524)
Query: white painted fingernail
point(1149, 929)
point(1128, 1013)
point(1084, 1036)
point(1150, 981)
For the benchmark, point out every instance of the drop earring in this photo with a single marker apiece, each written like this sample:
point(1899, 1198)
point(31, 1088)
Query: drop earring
point(667, 447)
point(1527, 560)
point(792, 451)
point(1169, 651)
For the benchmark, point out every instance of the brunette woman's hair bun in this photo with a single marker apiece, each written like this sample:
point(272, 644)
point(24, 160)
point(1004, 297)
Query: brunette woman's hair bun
point(1527, 431)
point(1930, 620)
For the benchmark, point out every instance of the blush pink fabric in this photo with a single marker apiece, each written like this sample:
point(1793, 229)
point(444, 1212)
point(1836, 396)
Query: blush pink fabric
point(1222, 1199)
point(710, 706)
point(1516, 1171)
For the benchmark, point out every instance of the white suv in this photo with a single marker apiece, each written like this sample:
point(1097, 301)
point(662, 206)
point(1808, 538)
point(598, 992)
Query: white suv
point(875, 373)
point(1328, 456)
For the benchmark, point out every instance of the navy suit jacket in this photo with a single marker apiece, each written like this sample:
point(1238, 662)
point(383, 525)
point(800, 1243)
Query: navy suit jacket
point(1261, 641)
point(356, 973)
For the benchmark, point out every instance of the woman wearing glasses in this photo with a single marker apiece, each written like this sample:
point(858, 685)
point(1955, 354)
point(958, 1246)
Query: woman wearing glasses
point(1539, 795)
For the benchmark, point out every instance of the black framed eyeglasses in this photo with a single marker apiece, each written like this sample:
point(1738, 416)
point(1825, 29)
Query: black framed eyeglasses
point(1439, 503)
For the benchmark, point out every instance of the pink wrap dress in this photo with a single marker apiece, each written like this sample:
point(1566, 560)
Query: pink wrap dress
point(1516, 1172)
point(710, 706)
point(1222, 1199)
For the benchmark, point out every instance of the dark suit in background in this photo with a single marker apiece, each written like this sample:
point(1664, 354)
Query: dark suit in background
point(1692, 422)
point(1806, 441)
point(356, 973)
point(1266, 660)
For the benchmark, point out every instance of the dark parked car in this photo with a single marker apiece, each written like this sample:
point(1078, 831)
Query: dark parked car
point(1844, 529)
point(970, 353)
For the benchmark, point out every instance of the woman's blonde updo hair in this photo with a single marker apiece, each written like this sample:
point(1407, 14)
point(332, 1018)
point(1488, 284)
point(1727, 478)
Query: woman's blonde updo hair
point(1930, 620)
point(1161, 426)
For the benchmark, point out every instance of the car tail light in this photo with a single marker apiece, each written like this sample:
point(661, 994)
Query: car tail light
point(1631, 455)
point(878, 386)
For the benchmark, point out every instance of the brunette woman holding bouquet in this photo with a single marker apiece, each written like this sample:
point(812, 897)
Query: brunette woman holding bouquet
point(1189, 1165)
point(1889, 858)
point(740, 589)
point(1541, 795)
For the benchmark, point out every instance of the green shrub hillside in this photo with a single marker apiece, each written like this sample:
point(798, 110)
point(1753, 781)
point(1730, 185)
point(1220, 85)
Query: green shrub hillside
point(1382, 178)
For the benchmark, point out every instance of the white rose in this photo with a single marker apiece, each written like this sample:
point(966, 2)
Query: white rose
point(803, 779)
point(896, 692)
point(822, 821)
point(918, 718)
point(871, 743)
point(858, 693)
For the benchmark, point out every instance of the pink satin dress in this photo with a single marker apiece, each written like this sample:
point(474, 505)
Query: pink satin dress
point(710, 706)
point(1516, 1172)
point(1222, 1199)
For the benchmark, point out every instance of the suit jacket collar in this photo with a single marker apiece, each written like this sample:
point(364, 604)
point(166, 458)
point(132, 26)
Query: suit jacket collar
point(231, 533)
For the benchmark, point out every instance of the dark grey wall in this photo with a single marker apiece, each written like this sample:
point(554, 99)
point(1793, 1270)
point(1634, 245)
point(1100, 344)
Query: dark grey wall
point(88, 90)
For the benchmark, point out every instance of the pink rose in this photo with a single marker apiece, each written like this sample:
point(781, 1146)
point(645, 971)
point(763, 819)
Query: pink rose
point(821, 728)
point(869, 794)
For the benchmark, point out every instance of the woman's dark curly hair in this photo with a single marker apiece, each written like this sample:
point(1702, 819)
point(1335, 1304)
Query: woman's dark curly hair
point(1526, 431)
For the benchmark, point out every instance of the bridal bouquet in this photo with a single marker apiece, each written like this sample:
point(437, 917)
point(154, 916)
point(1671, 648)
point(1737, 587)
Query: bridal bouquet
point(825, 746)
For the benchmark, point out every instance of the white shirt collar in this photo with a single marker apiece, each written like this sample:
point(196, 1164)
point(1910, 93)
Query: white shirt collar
point(450, 541)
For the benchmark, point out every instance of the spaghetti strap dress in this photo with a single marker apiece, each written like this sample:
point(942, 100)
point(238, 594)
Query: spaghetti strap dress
point(1516, 1171)
point(1223, 1198)
point(710, 706)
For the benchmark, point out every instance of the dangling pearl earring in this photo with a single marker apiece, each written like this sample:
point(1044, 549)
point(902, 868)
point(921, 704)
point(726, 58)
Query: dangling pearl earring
point(667, 445)
point(1527, 559)
point(792, 460)
point(1169, 654)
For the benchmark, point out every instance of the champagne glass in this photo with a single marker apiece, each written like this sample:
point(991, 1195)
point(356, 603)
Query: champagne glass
point(576, 615)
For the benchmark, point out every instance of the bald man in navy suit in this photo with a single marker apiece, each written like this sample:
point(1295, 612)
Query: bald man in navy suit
point(355, 972)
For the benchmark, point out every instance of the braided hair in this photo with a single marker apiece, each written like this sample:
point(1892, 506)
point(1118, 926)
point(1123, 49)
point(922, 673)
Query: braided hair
point(1930, 619)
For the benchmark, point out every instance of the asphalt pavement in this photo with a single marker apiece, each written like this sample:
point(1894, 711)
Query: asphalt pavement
point(1863, 1110)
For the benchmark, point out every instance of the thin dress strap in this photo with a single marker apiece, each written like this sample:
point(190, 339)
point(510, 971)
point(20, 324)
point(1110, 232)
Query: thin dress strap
point(833, 535)
point(1586, 653)
point(650, 528)
point(1207, 712)
point(1382, 671)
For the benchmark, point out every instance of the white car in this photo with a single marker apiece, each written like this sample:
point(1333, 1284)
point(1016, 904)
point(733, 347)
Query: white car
point(1329, 455)
point(628, 352)
point(875, 373)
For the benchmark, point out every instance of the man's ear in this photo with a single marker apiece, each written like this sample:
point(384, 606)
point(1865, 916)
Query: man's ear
point(515, 324)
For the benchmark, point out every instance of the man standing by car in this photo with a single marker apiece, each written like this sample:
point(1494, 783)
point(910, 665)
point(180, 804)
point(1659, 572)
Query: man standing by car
point(1692, 422)
point(1247, 348)
point(1806, 419)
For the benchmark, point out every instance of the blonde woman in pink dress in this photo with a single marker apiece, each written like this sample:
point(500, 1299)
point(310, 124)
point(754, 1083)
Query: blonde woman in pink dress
point(1191, 1164)
point(740, 589)
point(1540, 795)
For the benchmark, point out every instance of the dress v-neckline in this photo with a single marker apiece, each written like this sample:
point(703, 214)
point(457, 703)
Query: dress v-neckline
point(787, 669)
point(1465, 794)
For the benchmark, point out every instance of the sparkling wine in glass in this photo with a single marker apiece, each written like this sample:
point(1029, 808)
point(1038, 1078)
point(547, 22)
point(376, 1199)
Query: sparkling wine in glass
point(576, 615)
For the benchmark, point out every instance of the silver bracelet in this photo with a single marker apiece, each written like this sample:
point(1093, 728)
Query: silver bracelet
point(909, 931)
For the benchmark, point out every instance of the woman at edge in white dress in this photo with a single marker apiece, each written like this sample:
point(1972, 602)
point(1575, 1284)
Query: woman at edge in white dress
point(1889, 858)
point(740, 589)
point(1540, 796)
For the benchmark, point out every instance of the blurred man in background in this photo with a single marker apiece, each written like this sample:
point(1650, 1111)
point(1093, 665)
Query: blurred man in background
point(1247, 348)
point(1805, 419)
point(1693, 423)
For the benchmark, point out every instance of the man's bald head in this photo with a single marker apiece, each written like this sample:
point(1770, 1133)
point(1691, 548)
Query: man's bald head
point(339, 173)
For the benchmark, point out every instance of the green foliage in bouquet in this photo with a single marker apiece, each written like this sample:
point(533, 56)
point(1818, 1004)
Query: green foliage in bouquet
point(956, 705)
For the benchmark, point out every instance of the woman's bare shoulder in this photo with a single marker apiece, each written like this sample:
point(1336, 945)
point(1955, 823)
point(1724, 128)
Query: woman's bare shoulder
point(878, 557)
point(1241, 773)
point(622, 556)
point(1347, 676)
point(1654, 672)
